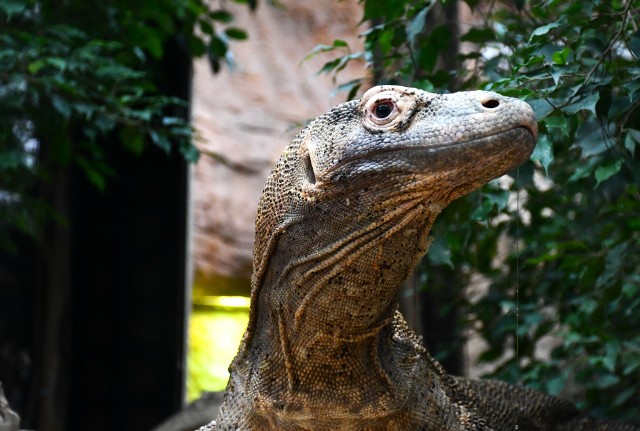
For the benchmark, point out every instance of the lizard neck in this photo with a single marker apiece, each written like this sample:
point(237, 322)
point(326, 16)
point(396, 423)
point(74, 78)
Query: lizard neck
point(326, 318)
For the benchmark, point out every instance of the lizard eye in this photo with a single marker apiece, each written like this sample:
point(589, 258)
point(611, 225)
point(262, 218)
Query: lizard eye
point(383, 109)
point(387, 108)
point(381, 112)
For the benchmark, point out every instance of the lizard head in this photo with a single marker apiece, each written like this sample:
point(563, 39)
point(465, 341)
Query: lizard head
point(464, 139)
point(347, 210)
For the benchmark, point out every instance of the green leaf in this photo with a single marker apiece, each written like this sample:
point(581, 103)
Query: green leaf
point(235, 33)
point(190, 153)
point(605, 172)
point(415, 28)
point(218, 47)
point(61, 105)
point(541, 107)
point(478, 35)
point(12, 7)
point(221, 15)
point(351, 87)
point(584, 170)
point(216, 52)
point(630, 289)
point(10, 159)
point(440, 252)
point(472, 3)
point(36, 66)
point(631, 140)
point(560, 57)
point(587, 102)
point(635, 44)
point(541, 31)
point(492, 201)
point(172, 121)
point(389, 9)
point(95, 171)
point(147, 38)
point(543, 152)
point(329, 66)
point(632, 88)
point(206, 27)
point(58, 63)
point(623, 396)
point(612, 349)
point(590, 139)
point(556, 384)
point(606, 381)
point(132, 140)
point(161, 140)
point(337, 44)
point(197, 46)
point(588, 306)
point(557, 122)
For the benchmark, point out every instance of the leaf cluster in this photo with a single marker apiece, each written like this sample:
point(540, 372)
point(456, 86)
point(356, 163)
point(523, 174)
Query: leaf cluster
point(558, 241)
point(76, 77)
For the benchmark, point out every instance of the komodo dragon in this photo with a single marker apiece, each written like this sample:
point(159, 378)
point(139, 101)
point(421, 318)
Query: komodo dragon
point(343, 219)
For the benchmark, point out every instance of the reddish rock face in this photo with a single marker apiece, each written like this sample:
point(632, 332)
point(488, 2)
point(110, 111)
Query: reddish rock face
point(248, 114)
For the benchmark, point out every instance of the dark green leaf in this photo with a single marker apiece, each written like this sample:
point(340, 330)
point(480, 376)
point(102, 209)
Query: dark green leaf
point(631, 140)
point(132, 140)
point(440, 252)
point(221, 15)
point(478, 35)
point(61, 105)
point(12, 7)
point(541, 107)
point(416, 26)
point(587, 102)
point(206, 27)
point(161, 140)
point(10, 159)
point(543, 152)
point(605, 172)
point(217, 47)
point(543, 30)
point(590, 139)
point(190, 153)
point(635, 44)
point(606, 381)
point(235, 33)
point(337, 44)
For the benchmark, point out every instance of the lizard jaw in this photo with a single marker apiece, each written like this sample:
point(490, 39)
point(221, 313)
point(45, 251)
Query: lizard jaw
point(520, 140)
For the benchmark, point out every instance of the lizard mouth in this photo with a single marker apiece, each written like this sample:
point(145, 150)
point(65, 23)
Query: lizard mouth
point(508, 135)
point(516, 143)
point(532, 128)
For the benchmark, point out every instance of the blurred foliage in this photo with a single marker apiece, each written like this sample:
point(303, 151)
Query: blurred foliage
point(559, 240)
point(78, 76)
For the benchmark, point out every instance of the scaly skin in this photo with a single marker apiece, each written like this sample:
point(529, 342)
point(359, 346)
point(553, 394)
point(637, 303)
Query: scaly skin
point(343, 219)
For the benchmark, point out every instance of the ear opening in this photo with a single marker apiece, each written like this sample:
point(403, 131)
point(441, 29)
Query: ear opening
point(311, 176)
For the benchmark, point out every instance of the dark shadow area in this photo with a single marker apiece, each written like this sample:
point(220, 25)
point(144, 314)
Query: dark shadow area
point(92, 312)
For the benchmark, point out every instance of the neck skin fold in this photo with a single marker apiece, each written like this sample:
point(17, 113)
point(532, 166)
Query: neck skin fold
point(327, 319)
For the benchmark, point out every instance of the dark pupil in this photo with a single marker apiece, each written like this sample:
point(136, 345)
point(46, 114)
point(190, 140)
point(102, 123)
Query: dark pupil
point(383, 110)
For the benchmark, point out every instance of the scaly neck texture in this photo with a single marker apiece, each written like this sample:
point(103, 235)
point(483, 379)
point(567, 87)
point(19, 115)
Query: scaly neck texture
point(313, 324)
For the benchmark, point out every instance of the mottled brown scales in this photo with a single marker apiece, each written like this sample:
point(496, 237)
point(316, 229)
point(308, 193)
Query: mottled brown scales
point(343, 220)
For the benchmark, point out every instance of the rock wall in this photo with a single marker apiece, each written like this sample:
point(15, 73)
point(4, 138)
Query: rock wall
point(248, 113)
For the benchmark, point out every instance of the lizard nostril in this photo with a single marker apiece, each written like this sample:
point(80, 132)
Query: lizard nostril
point(491, 103)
